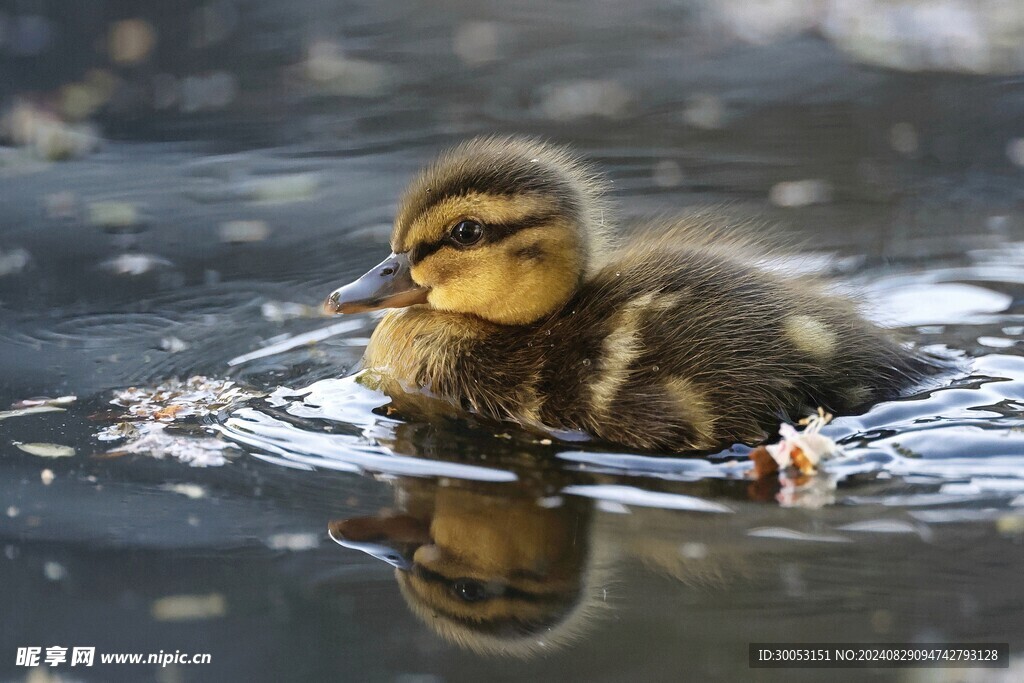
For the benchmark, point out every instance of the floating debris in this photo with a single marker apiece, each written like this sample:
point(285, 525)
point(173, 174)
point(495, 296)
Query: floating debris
point(630, 495)
point(14, 261)
point(293, 187)
point(802, 451)
point(1015, 151)
point(208, 91)
point(46, 450)
point(477, 42)
point(959, 36)
point(173, 400)
point(667, 173)
point(173, 345)
point(151, 410)
point(327, 68)
point(782, 533)
point(280, 311)
point(570, 100)
point(797, 193)
point(189, 607)
point(43, 401)
point(705, 111)
point(61, 205)
point(20, 412)
point(134, 264)
point(113, 215)
point(47, 477)
point(131, 40)
point(1010, 525)
point(116, 432)
point(294, 542)
point(54, 571)
point(765, 22)
point(241, 232)
point(193, 491)
point(155, 440)
point(903, 138)
point(45, 135)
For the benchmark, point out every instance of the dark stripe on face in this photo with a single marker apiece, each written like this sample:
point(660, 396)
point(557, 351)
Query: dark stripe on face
point(505, 591)
point(503, 177)
point(492, 234)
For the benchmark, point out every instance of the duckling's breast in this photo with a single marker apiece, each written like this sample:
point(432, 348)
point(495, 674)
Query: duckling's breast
point(463, 360)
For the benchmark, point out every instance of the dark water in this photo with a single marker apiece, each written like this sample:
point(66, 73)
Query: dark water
point(657, 568)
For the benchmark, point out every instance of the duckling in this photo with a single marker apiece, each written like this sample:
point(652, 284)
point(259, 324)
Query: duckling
point(513, 300)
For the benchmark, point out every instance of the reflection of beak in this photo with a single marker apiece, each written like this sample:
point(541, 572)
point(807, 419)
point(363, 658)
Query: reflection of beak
point(390, 539)
point(389, 284)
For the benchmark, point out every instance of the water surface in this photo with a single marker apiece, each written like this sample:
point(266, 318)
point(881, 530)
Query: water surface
point(651, 566)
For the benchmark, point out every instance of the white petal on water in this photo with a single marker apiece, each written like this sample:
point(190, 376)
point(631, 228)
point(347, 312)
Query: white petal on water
point(193, 491)
point(13, 262)
point(294, 542)
point(795, 193)
point(784, 534)
point(882, 526)
point(21, 412)
point(59, 401)
point(477, 42)
point(240, 232)
point(189, 607)
point(630, 495)
point(134, 264)
point(280, 311)
point(611, 507)
point(569, 100)
point(54, 571)
point(46, 450)
point(113, 214)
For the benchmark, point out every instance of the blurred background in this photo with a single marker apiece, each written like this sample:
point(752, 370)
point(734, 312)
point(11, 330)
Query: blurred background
point(183, 181)
point(155, 146)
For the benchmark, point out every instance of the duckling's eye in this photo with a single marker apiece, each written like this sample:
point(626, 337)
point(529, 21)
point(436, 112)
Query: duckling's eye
point(466, 233)
point(468, 590)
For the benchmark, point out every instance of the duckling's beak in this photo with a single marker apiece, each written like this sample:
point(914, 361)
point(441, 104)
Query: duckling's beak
point(390, 539)
point(389, 284)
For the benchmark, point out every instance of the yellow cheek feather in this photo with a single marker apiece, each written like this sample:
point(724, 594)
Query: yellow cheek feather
point(512, 282)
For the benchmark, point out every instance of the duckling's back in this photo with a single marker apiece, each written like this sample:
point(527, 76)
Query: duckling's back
point(684, 343)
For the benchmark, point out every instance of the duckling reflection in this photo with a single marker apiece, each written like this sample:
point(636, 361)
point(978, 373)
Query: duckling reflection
point(513, 569)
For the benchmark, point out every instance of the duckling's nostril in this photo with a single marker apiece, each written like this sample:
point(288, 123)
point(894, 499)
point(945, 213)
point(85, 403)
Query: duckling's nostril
point(390, 270)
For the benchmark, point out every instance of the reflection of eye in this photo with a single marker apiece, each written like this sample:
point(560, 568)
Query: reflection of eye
point(467, 232)
point(468, 590)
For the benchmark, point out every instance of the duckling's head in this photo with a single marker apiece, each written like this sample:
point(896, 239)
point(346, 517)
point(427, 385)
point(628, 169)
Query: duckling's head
point(501, 228)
